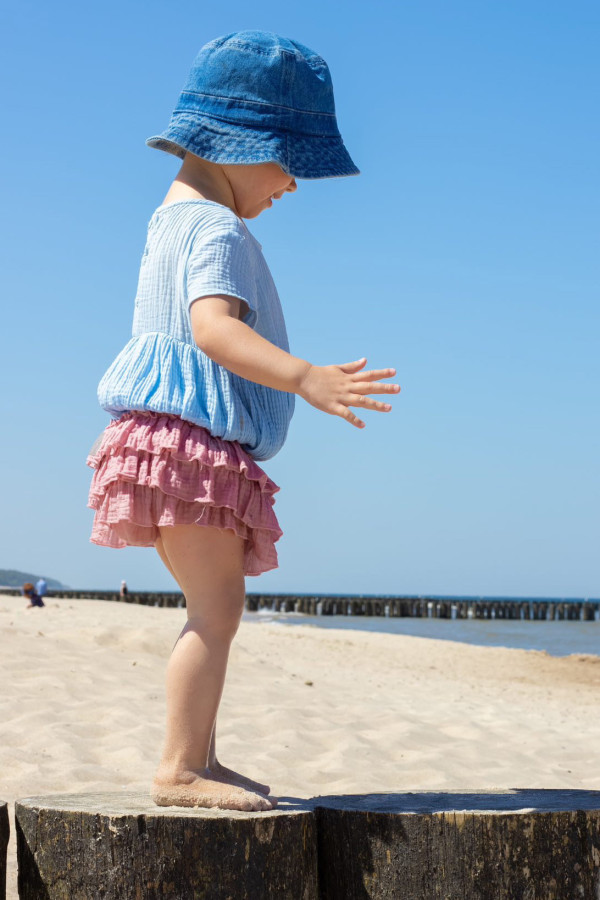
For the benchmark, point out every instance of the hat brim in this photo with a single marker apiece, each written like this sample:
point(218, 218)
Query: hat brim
point(301, 156)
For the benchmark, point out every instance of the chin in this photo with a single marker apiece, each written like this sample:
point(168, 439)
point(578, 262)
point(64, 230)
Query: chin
point(251, 214)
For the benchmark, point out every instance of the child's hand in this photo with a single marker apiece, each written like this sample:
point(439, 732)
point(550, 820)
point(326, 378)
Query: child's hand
point(334, 388)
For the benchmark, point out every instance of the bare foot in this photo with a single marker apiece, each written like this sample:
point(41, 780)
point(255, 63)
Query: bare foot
point(197, 788)
point(222, 773)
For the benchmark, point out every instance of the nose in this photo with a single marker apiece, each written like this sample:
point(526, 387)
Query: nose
point(291, 187)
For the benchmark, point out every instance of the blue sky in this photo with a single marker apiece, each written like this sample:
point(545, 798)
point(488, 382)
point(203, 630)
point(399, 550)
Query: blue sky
point(465, 254)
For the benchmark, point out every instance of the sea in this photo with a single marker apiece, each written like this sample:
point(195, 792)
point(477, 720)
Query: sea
point(557, 638)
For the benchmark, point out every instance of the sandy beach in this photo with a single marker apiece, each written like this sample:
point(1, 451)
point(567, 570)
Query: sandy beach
point(309, 711)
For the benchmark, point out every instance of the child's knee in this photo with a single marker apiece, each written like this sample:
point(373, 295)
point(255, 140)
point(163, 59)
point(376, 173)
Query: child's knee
point(215, 629)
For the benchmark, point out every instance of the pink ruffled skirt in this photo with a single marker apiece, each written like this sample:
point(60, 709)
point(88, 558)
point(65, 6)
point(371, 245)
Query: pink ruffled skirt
point(154, 469)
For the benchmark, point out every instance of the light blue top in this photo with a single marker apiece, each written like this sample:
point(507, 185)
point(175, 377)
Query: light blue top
point(196, 248)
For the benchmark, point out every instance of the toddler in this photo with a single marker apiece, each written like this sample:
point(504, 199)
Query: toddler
point(205, 387)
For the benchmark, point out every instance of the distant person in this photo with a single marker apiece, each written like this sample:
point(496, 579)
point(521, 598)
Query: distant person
point(41, 587)
point(205, 386)
point(124, 590)
point(30, 592)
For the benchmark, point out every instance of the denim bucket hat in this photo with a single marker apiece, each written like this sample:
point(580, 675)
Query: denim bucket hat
point(253, 97)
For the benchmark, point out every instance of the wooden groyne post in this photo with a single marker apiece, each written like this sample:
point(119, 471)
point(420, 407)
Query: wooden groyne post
point(122, 846)
point(4, 835)
point(371, 605)
point(472, 845)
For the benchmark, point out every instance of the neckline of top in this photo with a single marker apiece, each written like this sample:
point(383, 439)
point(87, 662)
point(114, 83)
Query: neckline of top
point(204, 200)
point(194, 200)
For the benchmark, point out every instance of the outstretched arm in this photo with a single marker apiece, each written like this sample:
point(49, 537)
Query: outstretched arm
point(221, 334)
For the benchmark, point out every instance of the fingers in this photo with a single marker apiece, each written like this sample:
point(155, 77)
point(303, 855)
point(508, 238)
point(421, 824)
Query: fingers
point(367, 403)
point(353, 366)
point(376, 374)
point(371, 376)
point(349, 416)
point(368, 387)
point(334, 393)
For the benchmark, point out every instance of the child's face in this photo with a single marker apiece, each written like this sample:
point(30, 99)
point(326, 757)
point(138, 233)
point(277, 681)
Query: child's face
point(254, 186)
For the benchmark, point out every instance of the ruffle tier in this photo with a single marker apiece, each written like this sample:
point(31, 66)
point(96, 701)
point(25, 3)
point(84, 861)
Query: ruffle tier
point(154, 469)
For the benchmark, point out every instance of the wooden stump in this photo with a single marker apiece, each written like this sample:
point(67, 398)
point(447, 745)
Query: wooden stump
point(4, 833)
point(110, 846)
point(495, 845)
point(498, 845)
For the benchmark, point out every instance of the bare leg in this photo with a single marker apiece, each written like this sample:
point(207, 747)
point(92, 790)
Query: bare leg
point(208, 563)
point(217, 770)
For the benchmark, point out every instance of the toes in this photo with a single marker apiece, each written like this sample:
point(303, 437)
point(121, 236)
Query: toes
point(268, 803)
point(262, 804)
point(251, 801)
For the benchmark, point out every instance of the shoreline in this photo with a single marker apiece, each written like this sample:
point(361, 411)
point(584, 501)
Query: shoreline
point(558, 638)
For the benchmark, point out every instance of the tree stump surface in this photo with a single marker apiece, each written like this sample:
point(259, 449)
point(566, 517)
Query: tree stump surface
point(469, 845)
point(109, 846)
point(4, 835)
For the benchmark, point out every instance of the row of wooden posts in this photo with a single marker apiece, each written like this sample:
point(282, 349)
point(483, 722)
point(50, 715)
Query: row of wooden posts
point(393, 607)
point(495, 845)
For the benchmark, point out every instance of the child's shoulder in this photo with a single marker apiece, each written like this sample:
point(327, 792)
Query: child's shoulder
point(192, 224)
point(199, 215)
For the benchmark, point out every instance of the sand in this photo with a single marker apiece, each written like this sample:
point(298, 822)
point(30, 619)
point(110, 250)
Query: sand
point(310, 711)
